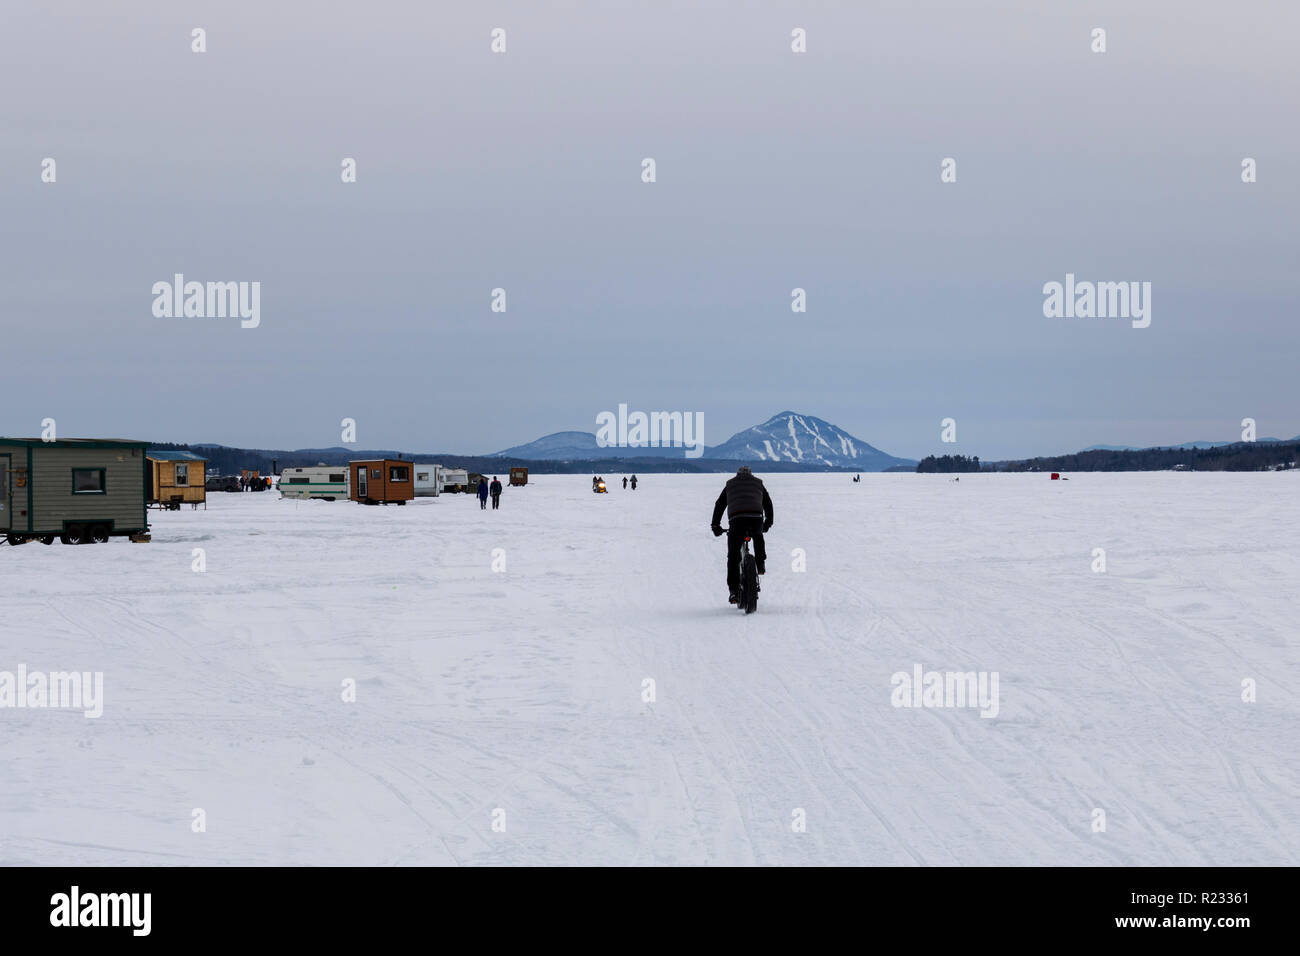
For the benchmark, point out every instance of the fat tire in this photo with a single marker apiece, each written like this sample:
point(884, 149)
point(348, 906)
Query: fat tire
point(749, 584)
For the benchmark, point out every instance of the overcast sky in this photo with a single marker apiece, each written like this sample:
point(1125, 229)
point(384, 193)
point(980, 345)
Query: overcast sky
point(775, 170)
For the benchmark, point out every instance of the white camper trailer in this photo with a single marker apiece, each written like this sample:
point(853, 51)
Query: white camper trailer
point(318, 481)
point(428, 480)
point(453, 479)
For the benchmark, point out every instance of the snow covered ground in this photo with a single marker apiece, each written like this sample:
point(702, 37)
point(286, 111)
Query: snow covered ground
point(516, 696)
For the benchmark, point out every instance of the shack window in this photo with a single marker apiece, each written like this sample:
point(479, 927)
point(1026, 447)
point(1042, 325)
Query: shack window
point(88, 481)
point(421, 476)
point(182, 475)
point(374, 472)
point(336, 478)
point(399, 473)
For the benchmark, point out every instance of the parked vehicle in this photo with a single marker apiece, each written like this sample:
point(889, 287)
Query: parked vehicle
point(222, 483)
point(427, 480)
point(457, 479)
point(326, 482)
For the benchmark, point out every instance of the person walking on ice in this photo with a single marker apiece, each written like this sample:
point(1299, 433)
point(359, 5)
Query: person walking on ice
point(495, 489)
point(482, 493)
point(634, 482)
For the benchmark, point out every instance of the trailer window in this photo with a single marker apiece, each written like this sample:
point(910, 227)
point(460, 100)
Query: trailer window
point(336, 478)
point(182, 475)
point(421, 476)
point(88, 481)
point(399, 473)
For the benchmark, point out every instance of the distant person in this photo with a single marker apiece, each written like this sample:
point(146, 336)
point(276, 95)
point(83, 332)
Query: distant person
point(625, 482)
point(749, 514)
point(495, 489)
point(634, 482)
point(482, 493)
point(595, 482)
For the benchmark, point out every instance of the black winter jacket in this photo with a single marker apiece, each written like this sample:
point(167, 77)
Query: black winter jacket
point(743, 497)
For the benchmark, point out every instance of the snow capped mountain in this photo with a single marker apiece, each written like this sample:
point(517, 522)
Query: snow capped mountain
point(792, 437)
point(787, 437)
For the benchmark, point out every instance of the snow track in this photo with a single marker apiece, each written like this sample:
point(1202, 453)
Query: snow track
point(522, 690)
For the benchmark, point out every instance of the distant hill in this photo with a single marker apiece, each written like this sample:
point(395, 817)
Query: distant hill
point(1186, 444)
point(1237, 456)
point(788, 438)
point(568, 446)
point(806, 440)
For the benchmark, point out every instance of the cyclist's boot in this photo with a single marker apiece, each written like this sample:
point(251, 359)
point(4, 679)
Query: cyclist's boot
point(762, 566)
point(733, 599)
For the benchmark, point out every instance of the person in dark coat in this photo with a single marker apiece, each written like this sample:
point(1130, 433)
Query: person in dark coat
point(625, 482)
point(749, 515)
point(482, 493)
point(634, 482)
point(495, 489)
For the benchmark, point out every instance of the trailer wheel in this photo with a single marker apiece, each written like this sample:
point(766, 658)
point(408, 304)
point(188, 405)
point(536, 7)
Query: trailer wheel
point(99, 534)
point(15, 540)
point(75, 534)
point(47, 539)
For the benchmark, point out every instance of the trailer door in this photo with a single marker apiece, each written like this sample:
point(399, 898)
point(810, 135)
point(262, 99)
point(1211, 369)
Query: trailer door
point(6, 509)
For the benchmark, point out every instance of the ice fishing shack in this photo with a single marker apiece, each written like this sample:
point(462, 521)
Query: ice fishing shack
point(383, 481)
point(176, 478)
point(79, 490)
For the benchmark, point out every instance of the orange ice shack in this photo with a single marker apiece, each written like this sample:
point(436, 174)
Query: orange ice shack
point(380, 482)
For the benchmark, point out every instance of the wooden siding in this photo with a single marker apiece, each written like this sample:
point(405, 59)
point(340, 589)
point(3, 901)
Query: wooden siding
point(163, 487)
point(48, 486)
point(381, 489)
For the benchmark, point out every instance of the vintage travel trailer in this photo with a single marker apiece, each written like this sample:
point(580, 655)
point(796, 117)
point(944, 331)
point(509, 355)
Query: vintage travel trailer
point(79, 490)
point(454, 479)
point(176, 478)
point(384, 481)
point(326, 482)
point(427, 480)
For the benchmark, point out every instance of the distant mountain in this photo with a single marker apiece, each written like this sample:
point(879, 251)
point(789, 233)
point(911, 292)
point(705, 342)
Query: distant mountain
point(804, 439)
point(788, 437)
point(576, 446)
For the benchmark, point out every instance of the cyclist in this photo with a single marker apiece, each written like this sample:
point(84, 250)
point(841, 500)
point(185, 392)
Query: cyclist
point(749, 514)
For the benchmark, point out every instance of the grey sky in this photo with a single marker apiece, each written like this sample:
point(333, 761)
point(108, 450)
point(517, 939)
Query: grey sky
point(775, 170)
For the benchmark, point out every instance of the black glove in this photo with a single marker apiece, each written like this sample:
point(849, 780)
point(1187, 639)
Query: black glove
point(767, 526)
point(717, 531)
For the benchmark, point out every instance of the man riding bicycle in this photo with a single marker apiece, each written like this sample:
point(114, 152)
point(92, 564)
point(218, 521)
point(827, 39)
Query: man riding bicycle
point(749, 513)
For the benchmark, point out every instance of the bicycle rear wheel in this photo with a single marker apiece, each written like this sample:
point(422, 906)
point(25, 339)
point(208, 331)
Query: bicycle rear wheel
point(749, 583)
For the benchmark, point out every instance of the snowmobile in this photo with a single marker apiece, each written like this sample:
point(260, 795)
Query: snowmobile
point(599, 487)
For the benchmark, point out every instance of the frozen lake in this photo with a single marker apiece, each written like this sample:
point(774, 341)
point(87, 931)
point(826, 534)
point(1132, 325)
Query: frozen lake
point(515, 697)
